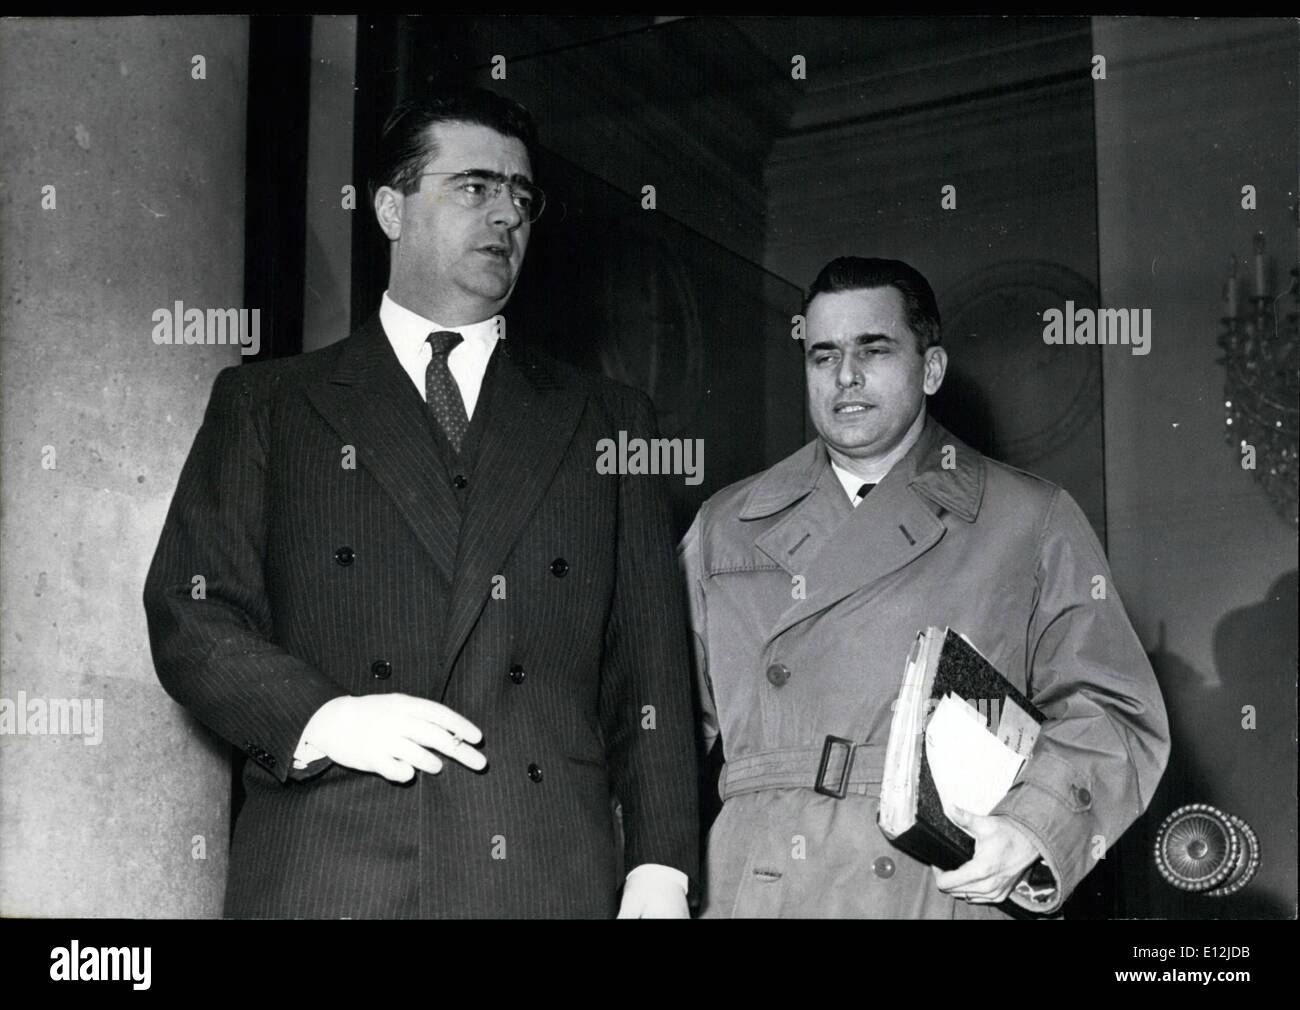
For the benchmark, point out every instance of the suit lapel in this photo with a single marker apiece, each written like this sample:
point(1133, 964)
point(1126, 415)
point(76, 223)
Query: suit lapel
point(370, 402)
point(532, 418)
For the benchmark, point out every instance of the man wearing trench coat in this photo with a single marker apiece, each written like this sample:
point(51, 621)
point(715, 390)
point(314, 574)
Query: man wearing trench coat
point(807, 586)
point(436, 631)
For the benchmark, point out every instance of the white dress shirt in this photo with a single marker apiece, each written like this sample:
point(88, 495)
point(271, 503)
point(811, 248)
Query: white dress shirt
point(852, 483)
point(408, 333)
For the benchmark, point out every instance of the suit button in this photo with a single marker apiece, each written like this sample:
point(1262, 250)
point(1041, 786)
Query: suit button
point(883, 867)
point(778, 674)
point(382, 669)
point(516, 674)
point(535, 773)
point(559, 568)
point(344, 556)
point(459, 482)
point(1083, 796)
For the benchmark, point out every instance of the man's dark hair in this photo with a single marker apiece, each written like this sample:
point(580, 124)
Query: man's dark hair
point(407, 146)
point(855, 273)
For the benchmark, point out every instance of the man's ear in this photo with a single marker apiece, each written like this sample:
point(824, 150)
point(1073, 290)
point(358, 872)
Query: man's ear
point(388, 211)
point(936, 365)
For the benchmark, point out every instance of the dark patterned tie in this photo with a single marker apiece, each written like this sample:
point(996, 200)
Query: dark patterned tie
point(441, 391)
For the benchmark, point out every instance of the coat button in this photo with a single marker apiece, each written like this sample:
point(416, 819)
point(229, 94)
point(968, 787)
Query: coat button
point(382, 669)
point(559, 568)
point(778, 674)
point(1083, 796)
point(535, 773)
point(883, 867)
point(344, 556)
point(459, 482)
point(516, 674)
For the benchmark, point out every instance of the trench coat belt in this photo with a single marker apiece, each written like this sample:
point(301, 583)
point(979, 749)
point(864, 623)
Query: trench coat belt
point(792, 767)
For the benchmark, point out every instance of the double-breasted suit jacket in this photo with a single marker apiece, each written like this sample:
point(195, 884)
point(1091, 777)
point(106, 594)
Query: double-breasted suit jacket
point(804, 610)
point(341, 554)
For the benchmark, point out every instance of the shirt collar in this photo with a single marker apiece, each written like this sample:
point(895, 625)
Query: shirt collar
point(409, 330)
point(953, 479)
point(851, 482)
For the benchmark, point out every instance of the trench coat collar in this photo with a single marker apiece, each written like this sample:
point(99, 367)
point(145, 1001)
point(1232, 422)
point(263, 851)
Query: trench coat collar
point(838, 550)
point(958, 489)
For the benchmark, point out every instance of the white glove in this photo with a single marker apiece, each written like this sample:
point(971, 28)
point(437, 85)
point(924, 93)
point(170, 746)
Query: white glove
point(391, 735)
point(654, 891)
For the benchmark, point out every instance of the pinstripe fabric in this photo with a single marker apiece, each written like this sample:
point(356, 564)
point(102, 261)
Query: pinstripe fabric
point(261, 510)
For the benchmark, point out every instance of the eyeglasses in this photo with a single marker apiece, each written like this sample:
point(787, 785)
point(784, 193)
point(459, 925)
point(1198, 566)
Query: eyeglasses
point(478, 189)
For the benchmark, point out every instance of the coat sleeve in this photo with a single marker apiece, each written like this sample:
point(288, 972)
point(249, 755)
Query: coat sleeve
point(211, 636)
point(1104, 747)
point(690, 559)
point(645, 689)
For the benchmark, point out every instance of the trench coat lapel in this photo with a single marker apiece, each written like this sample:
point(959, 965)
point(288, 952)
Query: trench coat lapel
point(896, 524)
point(370, 402)
point(534, 412)
point(805, 529)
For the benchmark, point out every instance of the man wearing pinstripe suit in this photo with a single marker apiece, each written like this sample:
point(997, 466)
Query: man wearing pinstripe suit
point(440, 635)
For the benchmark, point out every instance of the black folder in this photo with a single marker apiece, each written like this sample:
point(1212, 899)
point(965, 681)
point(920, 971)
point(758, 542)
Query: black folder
point(911, 814)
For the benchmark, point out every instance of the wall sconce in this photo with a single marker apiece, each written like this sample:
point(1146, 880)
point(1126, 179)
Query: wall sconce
point(1262, 386)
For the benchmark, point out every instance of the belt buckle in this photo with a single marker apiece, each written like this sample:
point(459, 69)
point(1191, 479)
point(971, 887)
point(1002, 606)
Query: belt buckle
point(843, 788)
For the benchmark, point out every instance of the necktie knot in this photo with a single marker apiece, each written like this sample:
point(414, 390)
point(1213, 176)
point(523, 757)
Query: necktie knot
point(443, 341)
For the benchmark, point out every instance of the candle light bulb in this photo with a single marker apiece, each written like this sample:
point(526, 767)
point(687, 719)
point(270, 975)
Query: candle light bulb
point(1232, 290)
point(1261, 267)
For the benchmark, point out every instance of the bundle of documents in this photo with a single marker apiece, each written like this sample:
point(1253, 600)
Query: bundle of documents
point(960, 734)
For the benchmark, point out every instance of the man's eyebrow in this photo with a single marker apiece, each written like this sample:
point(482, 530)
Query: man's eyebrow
point(858, 339)
point(488, 173)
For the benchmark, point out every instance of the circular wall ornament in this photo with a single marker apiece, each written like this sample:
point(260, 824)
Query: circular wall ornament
point(1032, 397)
point(1201, 849)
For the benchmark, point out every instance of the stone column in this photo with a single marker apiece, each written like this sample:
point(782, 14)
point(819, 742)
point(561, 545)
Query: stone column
point(121, 193)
